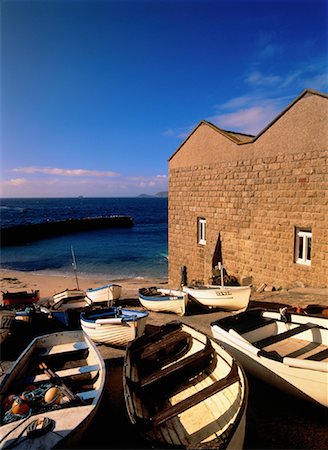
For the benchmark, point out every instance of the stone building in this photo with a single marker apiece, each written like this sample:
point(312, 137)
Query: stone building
point(261, 200)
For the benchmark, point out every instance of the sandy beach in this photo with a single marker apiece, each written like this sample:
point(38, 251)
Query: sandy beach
point(275, 420)
point(49, 284)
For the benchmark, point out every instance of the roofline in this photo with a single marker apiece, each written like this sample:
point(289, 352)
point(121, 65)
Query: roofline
point(305, 92)
point(235, 140)
point(224, 133)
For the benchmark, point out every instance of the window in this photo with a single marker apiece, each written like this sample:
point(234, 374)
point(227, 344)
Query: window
point(201, 231)
point(303, 244)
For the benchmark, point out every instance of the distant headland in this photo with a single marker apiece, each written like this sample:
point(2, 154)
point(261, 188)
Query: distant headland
point(163, 194)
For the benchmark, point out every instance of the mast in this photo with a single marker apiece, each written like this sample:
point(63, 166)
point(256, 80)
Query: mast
point(75, 267)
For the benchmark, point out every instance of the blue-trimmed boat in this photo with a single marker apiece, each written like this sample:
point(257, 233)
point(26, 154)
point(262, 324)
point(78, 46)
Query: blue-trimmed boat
point(163, 300)
point(114, 326)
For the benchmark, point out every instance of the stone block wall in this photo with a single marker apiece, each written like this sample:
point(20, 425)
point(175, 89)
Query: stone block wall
point(254, 196)
point(255, 206)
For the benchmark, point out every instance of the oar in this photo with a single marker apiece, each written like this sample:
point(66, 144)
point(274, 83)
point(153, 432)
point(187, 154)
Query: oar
point(56, 378)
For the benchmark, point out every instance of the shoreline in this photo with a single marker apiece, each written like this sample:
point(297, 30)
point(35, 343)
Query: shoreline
point(49, 284)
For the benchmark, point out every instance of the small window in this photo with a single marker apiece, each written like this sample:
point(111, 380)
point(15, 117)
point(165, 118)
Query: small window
point(201, 231)
point(303, 244)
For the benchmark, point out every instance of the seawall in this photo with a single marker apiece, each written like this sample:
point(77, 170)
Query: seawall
point(21, 234)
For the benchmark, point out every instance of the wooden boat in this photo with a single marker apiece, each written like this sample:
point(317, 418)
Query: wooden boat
point(182, 389)
point(105, 294)
point(290, 351)
point(229, 298)
point(163, 300)
point(68, 295)
point(52, 392)
point(20, 298)
point(7, 318)
point(113, 326)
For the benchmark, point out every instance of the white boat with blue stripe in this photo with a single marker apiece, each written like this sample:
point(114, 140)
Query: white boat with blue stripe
point(163, 300)
point(114, 326)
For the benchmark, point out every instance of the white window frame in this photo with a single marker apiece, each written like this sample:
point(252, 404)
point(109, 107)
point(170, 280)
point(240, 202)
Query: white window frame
point(201, 231)
point(303, 240)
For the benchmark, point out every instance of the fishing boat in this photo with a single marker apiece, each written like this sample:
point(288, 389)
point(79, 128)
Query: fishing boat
point(288, 350)
point(7, 318)
point(182, 389)
point(68, 295)
point(52, 392)
point(114, 326)
point(228, 298)
point(105, 294)
point(163, 300)
point(20, 298)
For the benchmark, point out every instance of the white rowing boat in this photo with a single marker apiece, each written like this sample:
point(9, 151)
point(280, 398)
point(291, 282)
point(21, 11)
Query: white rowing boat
point(105, 294)
point(183, 389)
point(228, 298)
point(52, 392)
point(68, 295)
point(163, 300)
point(290, 351)
point(114, 326)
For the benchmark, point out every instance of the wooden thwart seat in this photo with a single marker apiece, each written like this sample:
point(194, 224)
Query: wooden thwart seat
point(64, 348)
point(320, 356)
point(194, 399)
point(282, 336)
point(182, 370)
point(174, 337)
point(67, 372)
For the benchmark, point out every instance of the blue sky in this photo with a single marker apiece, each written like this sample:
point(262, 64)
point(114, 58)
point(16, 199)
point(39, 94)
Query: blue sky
point(96, 95)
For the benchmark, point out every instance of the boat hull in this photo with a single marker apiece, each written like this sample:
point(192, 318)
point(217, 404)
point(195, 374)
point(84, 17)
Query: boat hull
point(20, 298)
point(71, 417)
point(183, 387)
point(291, 372)
point(7, 318)
point(105, 294)
point(166, 300)
point(114, 326)
point(68, 294)
point(229, 298)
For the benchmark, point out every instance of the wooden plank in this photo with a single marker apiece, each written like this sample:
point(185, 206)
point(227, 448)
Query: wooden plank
point(64, 348)
point(193, 400)
point(192, 364)
point(172, 338)
point(320, 356)
point(154, 337)
point(67, 372)
point(282, 336)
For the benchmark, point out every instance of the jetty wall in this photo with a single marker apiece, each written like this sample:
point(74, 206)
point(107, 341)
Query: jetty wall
point(21, 234)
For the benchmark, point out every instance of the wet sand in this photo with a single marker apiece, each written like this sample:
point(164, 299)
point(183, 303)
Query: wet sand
point(275, 420)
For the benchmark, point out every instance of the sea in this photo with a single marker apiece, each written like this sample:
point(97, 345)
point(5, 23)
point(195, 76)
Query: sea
point(113, 253)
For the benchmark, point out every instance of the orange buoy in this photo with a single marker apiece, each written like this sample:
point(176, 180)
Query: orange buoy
point(20, 406)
